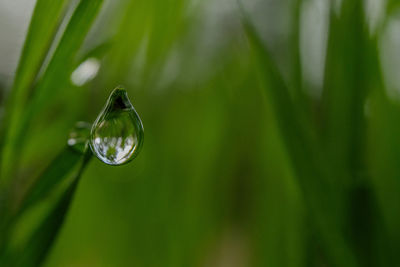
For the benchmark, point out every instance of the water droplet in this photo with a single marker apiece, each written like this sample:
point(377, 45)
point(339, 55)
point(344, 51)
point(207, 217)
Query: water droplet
point(79, 136)
point(117, 134)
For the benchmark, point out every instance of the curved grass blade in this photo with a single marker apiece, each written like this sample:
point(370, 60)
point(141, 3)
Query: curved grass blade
point(56, 75)
point(45, 21)
point(55, 174)
point(39, 244)
point(64, 59)
point(98, 51)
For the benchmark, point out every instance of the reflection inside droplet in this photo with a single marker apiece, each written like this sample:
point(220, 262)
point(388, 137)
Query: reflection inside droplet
point(117, 134)
point(115, 139)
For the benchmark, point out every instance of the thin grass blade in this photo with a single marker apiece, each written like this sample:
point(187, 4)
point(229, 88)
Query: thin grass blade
point(345, 89)
point(55, 174)
point(57, 73)
point(41, 241)
point(45, 21)
point(313, 176)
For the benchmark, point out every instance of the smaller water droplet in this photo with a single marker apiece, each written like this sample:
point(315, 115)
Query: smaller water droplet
point(117, 134)
point(79, 136)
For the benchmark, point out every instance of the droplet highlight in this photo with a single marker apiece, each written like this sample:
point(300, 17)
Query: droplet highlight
point(117, 134)
point(78, 138)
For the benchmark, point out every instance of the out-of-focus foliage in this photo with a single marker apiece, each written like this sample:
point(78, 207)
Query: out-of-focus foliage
point(246, 161)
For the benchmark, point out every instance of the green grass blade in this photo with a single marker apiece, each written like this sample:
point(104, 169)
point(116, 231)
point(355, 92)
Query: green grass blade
point(46, 18)
point(41, 241)
point(345, 88)
point(297, 79)
point(98, 52)
point(60, 169)
point(56, 75)
point(64, 58)
point(384, 152)
point(300, 143)
point(145, 22)
point(54, 174)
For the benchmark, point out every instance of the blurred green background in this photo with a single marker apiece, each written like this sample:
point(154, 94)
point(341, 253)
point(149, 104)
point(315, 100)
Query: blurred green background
point(271, 130)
